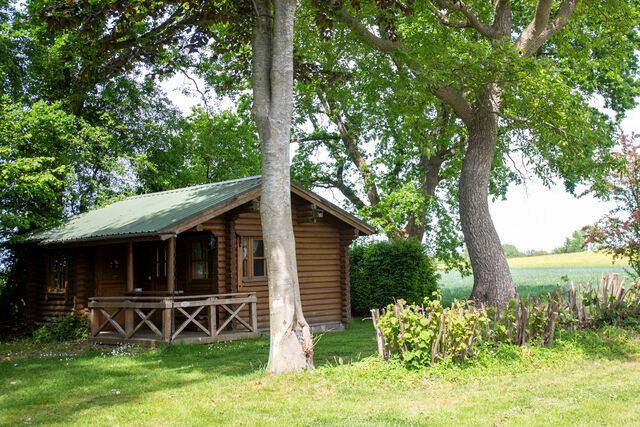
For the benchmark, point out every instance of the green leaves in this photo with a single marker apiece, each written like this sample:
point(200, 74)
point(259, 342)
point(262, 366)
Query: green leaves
point(428, 332)
point(382, 272)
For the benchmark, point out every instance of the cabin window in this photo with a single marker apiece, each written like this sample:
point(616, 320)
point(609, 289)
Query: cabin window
point(201, 260)
point(161, 262)
point(254, 263)
point(59, 273)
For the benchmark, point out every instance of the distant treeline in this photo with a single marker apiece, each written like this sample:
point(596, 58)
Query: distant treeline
point(574, 243)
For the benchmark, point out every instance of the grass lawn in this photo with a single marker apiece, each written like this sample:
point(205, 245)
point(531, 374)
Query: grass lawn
point(584, 378)
point(538, 275)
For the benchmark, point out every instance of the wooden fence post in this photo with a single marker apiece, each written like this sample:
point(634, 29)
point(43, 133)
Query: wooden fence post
point(166, 321)
point(375, 318)
point(253, 308)
point(95, 318)
point(213, 328)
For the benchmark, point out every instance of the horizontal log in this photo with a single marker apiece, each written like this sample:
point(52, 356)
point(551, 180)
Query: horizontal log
point(316, 245)
point(320, 285)
point(316, 252)
point(329, 279)
point(331, 274)
point(313, 301)
point(307, 261)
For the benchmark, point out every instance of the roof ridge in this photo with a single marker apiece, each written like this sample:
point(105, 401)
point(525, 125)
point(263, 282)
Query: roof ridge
point(192, 187)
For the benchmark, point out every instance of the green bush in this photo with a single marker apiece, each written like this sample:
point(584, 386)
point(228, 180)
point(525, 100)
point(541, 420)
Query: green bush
point(62, 328)
point(425, 333)
point(382, 272)
point(422, 334)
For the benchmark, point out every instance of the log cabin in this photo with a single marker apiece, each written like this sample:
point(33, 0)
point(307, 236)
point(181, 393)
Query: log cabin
point(187, 265)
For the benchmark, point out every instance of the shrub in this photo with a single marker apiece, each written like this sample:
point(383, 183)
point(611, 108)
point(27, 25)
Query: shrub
point(62, 328)
point(618, 306)
point(382, 272)
point(425, 333)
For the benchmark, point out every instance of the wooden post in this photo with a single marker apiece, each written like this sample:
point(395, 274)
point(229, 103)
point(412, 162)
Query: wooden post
point(253, 312)
point(94, 321)
point(166, 320)
point(213, 326)
point(375, 318)
point(128, 312)
point(171, 267)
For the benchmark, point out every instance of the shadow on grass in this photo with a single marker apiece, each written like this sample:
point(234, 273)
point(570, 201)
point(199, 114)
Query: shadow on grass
point(58, 386)
point(607, 343)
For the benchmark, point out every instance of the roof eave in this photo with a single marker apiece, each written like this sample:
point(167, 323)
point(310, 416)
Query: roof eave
point(108, 237)
point(356, 223)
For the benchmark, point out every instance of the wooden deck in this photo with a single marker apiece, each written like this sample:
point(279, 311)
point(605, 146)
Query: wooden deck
point(176, 319)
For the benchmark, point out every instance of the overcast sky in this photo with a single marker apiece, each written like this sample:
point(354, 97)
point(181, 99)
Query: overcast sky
point(532, 217)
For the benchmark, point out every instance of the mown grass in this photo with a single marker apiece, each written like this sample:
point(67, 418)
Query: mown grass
point(539, 275)
point(584, 378)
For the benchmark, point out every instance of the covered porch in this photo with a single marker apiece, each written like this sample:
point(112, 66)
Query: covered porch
point(168, 290)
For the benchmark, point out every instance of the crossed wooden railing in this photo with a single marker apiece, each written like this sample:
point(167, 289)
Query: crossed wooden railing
point(166, 318)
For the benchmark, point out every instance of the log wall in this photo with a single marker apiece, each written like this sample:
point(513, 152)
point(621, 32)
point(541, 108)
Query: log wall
point(42, 304)
point(322, 247)
point(322, 257)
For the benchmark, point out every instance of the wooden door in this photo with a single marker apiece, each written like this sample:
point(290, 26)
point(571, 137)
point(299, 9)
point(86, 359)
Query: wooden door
point(111, 274)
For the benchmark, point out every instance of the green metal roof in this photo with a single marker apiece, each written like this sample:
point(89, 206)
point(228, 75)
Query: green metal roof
point(147, 214)
point(152, 214)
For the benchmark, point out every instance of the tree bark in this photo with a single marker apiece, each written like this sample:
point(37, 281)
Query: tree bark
point(492, 282)
point(291, 347)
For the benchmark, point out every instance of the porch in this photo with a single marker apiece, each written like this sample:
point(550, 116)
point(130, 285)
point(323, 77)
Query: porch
point(173, 318)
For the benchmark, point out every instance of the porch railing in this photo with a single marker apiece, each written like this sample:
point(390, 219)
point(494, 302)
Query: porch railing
point(197, 318)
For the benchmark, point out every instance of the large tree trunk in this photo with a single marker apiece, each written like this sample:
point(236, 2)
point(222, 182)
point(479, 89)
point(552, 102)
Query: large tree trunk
point(492, 281)
point(291, 347)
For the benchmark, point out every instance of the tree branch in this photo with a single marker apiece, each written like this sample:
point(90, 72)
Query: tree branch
point(540, 30)
point(472, 19)
point(457, 101)
point(351, 145)
point(503, 21)
point(445, 20)
point(379, 43)
point(317, 138)
point(346, 190)
point(202, 94)
point(124, 44)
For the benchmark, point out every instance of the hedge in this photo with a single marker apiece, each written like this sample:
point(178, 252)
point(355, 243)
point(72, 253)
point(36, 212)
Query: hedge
point(382, 272)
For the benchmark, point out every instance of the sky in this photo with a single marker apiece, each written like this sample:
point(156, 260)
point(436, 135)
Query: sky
point(533, 217)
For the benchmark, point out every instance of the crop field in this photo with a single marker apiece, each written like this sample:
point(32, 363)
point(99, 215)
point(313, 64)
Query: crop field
point(539, 275)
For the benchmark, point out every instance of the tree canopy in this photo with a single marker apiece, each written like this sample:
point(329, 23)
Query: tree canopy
point(416, 112)
point(520, 78)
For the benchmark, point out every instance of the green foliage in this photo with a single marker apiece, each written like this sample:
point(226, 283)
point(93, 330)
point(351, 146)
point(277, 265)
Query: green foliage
point(209, 148)
point(618, 232)
point(510, 251)
point(622, 311)
point(429, 332)
point(382, 272)
point(52, 164)
point(576, 243)
point(62, 328)
point(426, 333)
point(505, 384)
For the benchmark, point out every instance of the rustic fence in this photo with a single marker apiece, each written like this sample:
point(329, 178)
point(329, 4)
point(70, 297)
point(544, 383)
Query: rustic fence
point(168, 318)
point(524, 320)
